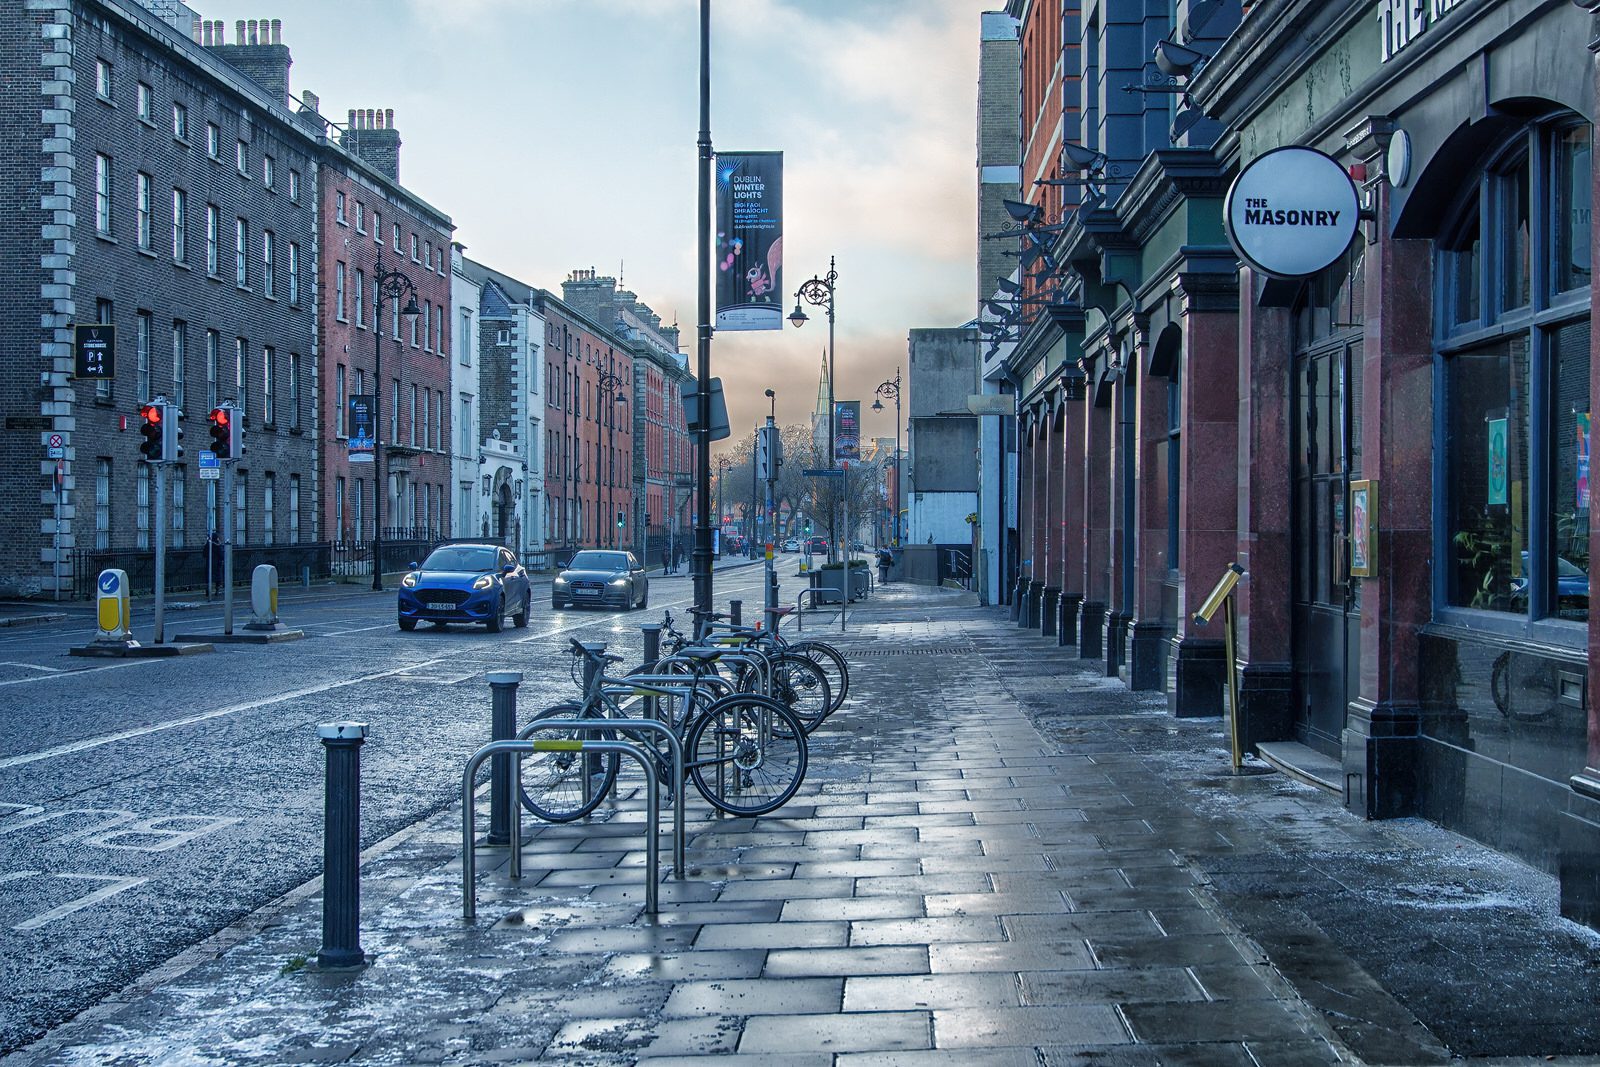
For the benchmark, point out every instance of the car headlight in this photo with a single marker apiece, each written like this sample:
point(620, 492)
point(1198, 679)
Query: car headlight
point(619, 581)
point(561, 579)
point(483, 581)
point(410, 580)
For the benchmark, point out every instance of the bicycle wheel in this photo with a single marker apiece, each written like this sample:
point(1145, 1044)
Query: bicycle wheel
point(798, 683)
point(833, 665)
point(746, 754)
point(563, 786)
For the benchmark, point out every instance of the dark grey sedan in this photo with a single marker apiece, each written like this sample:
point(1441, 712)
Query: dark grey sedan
point(604, 578)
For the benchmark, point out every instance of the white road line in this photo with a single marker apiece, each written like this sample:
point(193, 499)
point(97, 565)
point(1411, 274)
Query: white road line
point(32, 667)
point(117, 885)
point(359, 629)
point(234, 709)
point(79, 674)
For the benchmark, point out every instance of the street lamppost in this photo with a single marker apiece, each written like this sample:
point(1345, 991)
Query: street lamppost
point(610, 385)
point(387, 285)
point(818, 292)
point(892, 389)
point(723, 463)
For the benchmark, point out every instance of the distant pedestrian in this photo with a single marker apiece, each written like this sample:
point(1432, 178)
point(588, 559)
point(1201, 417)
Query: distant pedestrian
point(677, 557)
point(666, 559)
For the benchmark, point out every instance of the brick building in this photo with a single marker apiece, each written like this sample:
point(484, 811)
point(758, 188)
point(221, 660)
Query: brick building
point(154, 186)
point(372, 227)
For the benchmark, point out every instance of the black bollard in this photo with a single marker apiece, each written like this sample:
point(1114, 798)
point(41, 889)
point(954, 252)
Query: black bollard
point(341, 845)
point(592, 766)
point(502, 727)
point(736, 612)
point(652, 654)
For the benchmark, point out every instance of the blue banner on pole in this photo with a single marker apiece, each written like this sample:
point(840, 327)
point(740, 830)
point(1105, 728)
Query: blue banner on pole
point(750, 241)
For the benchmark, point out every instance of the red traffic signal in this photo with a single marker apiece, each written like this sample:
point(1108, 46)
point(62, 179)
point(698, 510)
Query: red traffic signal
point(150, 433)
point(221, 433)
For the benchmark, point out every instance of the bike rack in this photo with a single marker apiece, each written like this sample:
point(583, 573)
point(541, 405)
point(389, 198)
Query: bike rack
point(799, 609)
point(621, 726)
point(469, 871)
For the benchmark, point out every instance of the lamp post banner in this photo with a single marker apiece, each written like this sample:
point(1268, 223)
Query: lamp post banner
point(363, 432)
point(749, 241)
point(847, 430)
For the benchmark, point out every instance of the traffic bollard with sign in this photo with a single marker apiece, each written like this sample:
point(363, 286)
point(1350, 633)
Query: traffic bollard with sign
point(263, 598)
point(112, 609)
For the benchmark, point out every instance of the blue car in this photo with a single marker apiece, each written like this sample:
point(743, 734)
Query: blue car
point(465, 583)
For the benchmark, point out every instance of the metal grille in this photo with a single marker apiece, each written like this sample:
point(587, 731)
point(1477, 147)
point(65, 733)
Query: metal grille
point(930, 650)
point(441, 596)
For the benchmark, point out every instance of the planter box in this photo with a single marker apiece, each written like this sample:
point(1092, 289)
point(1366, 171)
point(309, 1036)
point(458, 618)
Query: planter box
point(828, 578)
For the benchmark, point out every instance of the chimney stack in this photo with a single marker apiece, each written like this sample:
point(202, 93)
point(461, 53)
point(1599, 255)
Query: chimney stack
point(370, 136)
point(258, 52)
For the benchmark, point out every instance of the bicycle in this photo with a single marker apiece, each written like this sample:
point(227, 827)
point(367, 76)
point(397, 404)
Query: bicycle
point(810, 677)
point(745, 753)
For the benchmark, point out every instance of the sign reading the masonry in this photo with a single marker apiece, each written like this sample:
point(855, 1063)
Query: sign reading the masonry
point(1402, 21)
point(847, 430)
point(1291, 212)
point(750, 241)
point(94, 350)
point(363, 427)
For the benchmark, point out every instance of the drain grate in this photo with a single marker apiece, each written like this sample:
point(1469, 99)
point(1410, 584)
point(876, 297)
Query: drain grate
point(929, 650)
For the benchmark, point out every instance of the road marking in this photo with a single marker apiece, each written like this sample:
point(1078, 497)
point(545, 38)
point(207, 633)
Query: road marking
point(80, 674)
point(116, 817)
point(31, 666)
point(251, 705)
point(117, 886)
point(180, 830)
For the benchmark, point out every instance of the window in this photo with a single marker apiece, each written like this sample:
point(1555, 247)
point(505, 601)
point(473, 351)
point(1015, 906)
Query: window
point(411, 326)
point(141, 341)
point(338, 291)
point(361, 295)
point(268, 172)
point(294, 186)
point(361, 222)
point(377, 228)
point(464, 426)
point(141, 201)
point(464, 338)
point(396, 230)
point(241, 508)
point(338, 208)
point(141, 518)
point(338, 508)
point(269, 385)
point(294, 509)
point(427, 325)
point(180, 356)
point(102, 503)
point(294, 390)
point(358, 507)
point(212, 238)
point(414, 248)
point(338, 400)
point(464, 511)
point(241, 378)
point(412, 421)
point(241, 253)
point(440, 443)
point(438, 332)
point(180, 226)
point(294, 273)
point(102, 79)
point(177, 505)
point(1513, 468)
point(241, 158)
point(427, 254)
point(394, 412)
point(180, 122)
point(144, 99)
point(213, 357)
point(268, 492)
point(213, 142)
point(427, 398)
point(268, 282)
point(102, 195)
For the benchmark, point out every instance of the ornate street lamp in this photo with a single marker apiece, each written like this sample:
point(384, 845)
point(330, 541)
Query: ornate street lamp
point(387, 285)
point(891, 389)
point(818, 292)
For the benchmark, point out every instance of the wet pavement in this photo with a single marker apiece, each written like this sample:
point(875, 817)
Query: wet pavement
point(998, 857)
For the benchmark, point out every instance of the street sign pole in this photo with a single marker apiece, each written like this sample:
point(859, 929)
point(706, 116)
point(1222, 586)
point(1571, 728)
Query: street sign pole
point(161, 548)
point(227, 548)
point(56, 566)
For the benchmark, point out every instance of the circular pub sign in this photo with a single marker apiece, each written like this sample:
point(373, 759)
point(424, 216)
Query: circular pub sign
point(1291, 212)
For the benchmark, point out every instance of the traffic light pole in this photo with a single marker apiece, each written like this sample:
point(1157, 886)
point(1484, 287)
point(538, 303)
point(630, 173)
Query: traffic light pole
point(227, 548)
point(161, 550)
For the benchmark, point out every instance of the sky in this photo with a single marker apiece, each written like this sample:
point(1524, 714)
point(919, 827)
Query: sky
point(561, 134)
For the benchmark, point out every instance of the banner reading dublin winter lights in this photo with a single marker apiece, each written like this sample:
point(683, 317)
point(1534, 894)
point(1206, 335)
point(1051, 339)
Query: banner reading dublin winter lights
point(847, 430)
point(749, 241)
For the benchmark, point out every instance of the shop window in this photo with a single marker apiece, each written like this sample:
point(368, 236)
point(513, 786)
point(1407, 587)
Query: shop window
point(1514, 461)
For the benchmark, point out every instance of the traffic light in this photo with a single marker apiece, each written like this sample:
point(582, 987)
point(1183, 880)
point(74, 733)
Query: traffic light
point(172, 435)
point(150, 433)
point(222, 433)
point(622, 519)
point(808, 526)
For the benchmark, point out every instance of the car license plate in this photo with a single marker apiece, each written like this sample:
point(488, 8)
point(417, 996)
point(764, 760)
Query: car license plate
point(586, 592)
point(439, 605)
